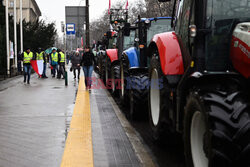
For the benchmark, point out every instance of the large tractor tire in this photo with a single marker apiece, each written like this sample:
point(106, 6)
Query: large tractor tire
point(115, 75)
point(124, 74)
point(158, 98)
point(107, 73)
point(217, 129)
point(101, 67)
point(138, 95)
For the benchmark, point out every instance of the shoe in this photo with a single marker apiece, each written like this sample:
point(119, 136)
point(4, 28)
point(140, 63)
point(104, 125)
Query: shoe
point(74, 77)
point(24, 81)
point(45, 77)
point(28, 82)
point(53, 76)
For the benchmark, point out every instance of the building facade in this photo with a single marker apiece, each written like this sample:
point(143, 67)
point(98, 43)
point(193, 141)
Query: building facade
point(31, 11)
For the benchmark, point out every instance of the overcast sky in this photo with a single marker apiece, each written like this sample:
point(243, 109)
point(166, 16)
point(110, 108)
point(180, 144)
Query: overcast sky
point(54, 10)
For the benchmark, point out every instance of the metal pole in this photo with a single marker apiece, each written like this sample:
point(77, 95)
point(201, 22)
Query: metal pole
point(15, 34)
point(7, 36)
point(21, 25)
point(87, 23)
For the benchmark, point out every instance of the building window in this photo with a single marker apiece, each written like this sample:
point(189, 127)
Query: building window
point(11, 4)
point(11, 14)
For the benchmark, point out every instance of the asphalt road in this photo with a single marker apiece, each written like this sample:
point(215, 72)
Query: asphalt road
point(168, 152)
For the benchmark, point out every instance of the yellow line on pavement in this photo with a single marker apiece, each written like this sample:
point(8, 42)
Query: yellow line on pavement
point(78, 150)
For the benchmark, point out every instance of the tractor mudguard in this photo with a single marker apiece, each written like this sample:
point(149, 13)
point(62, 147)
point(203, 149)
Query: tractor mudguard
point(133, 55)
point(170, 53)
point(112, 54)
point(240, 49)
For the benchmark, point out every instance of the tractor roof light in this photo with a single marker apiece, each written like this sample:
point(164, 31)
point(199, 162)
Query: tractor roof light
point(141, 46)
point(147, 21)
point(192, 31)
point(137, 39)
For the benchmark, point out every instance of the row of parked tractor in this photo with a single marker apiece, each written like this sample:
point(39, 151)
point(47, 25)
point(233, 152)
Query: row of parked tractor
point(189, 73)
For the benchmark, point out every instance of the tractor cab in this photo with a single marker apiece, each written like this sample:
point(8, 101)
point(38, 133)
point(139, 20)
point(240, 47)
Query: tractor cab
point(211, 33)
point(147, 28)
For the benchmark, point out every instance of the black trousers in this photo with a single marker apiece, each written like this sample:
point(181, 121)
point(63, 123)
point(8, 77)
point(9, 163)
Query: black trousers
point(79, 71)
point(61, 70)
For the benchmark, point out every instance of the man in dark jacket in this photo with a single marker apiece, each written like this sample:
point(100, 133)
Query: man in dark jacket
point(76, 62)
point(87, 65)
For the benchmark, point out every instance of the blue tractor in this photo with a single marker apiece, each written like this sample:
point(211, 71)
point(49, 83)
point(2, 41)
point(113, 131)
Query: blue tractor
point(134, 65)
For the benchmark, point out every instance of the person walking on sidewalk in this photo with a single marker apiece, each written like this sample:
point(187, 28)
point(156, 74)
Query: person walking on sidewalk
point(40, 55)
point(76, 62)
point(27, 56)
point(61, 61)
point(87, 65)
point(54, 62)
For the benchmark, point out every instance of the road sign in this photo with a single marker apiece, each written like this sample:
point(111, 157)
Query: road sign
point(70, 29)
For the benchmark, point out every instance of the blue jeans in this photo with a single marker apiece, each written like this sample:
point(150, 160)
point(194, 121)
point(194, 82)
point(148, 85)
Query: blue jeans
point(44, 69)
point(27, 71)
point(54, 70)
point(88, 73)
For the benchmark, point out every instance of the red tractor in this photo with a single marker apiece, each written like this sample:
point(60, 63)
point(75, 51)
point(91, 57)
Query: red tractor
point(199, 81)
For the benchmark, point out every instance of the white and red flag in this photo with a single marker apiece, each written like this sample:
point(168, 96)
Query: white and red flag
point(82, 41)
point(109, 6)
point(37, 65)
point(126, 5)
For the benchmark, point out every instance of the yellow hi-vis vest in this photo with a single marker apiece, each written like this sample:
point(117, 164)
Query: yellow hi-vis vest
point(27, 57)
point(62, 57)
point(39, 56)
point(54, 57)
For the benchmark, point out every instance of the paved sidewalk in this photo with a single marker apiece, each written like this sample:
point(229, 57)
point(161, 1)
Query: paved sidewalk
point(34, 120)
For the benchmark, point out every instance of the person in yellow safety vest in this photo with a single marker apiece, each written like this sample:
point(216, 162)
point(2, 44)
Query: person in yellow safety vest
point(27, 56)
point(54, 62)
point(40, 55)
point(61, 61)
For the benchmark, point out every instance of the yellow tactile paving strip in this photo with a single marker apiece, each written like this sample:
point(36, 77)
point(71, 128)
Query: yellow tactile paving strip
point(78, 149)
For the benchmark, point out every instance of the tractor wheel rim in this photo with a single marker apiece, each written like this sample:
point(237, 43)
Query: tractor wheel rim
point(122, 81)
point(155, 98)
point(198, 129)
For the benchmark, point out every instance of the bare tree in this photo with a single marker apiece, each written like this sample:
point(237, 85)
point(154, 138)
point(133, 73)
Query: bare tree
point(144, 8)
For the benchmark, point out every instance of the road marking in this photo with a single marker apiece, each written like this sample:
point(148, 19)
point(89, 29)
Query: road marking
point(78, 150)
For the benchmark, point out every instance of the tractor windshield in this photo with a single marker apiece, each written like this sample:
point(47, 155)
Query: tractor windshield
point(129, 40)
point(112, 43)
point(222, 17)
point(157, 27)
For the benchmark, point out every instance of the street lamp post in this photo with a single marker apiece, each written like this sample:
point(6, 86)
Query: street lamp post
point(7, 36)
point(87, 23)
point(21, 25)
point(15, 34)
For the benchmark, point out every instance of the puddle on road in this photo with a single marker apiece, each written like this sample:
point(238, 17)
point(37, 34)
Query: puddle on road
point(68, 116)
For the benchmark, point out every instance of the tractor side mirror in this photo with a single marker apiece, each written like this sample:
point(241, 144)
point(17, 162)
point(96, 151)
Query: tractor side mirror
point(127, 29)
